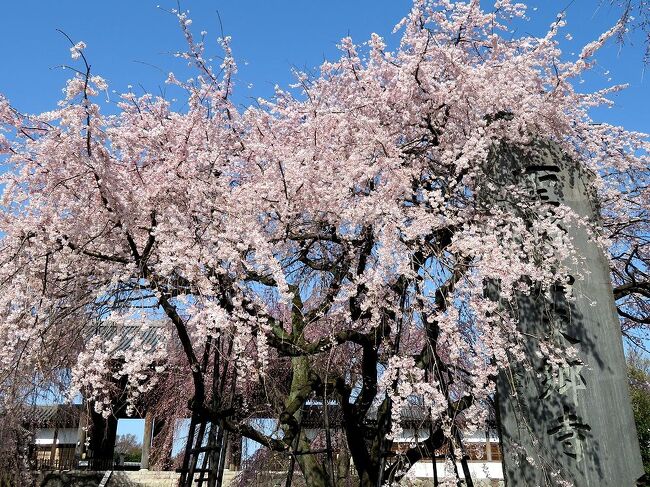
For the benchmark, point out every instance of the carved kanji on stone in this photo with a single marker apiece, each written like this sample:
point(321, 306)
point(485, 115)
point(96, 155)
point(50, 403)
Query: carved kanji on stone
point(566, 380)
point(571, 431)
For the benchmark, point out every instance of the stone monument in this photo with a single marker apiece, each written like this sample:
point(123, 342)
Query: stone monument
point(570, 424)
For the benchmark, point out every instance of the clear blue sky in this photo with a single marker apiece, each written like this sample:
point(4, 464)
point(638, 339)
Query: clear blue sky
point(269, 38)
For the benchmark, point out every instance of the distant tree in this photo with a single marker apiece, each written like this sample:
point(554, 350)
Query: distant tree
point(639, 375)
point(129, 446)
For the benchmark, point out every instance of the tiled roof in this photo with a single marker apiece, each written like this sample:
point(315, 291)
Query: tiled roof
point(151, 334)
point(58, 415)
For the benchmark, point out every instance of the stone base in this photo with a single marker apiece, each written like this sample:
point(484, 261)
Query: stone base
point(140, 478)
point(152, 478)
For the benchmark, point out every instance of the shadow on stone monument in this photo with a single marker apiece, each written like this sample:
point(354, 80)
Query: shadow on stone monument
point(570, 421)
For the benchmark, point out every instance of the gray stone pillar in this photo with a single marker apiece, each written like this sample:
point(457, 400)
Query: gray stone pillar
point(574, 422)
point(146, 441)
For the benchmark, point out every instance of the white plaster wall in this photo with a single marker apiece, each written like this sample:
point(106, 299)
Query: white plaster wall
point(479, 470)
point(479, 436)
point(409, 435)
point(44, 436)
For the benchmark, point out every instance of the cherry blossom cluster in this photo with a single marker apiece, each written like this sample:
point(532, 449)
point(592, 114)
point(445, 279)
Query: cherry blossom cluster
point(361, 213)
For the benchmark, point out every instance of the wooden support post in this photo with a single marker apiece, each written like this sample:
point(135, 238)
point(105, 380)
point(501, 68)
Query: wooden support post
point(488, 446)
point(146, 441)
point(102, 438)
point(80, 450)
point(53, 449)
point(233, 452)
